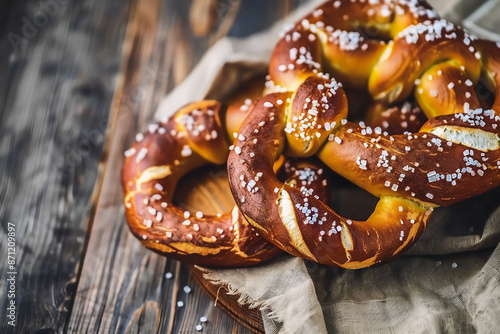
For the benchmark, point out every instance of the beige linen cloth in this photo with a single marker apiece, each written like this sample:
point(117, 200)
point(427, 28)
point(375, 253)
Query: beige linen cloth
point(449, 282)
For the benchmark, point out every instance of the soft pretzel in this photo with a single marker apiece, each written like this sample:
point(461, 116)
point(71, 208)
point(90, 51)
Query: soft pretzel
point(455, 154)
point(346, 38)
point(386, 47)
point(195, 136)
point(295, 219)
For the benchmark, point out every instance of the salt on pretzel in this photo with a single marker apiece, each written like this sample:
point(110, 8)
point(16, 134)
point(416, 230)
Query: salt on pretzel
point(392, 48)
point(411, 173)
point(452, 158)
point(195, 136)
point(346, 38)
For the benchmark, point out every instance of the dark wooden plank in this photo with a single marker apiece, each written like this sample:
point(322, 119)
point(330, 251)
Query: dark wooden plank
point(60, 63)
point(123, 287)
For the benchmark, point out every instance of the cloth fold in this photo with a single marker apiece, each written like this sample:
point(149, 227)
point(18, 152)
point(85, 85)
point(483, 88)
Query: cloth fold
point(282, 294)
point(448, 282)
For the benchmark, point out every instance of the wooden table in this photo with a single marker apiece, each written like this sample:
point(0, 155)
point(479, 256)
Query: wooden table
point(78, 79)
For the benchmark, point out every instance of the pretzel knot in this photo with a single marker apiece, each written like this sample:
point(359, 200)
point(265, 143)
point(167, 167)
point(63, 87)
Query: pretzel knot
point(455, 155)
point(195, 136)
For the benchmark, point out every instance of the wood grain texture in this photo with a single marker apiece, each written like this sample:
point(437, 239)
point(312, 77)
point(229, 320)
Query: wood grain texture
point(250, 318)
point(60, 66)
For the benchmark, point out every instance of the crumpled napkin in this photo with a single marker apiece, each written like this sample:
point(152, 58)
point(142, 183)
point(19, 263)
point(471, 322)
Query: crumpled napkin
point(448, 282)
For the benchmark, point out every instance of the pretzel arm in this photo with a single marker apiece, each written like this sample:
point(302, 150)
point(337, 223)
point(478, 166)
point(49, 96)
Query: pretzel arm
point(430, 166)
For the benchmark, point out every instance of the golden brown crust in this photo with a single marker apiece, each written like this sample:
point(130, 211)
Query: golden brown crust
point(192, 138)
point(490, 59)
point(414, 50)
point(345, 38)
point(316, 106)
point(390, 48)
point(444, 89)
point(420, 166)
